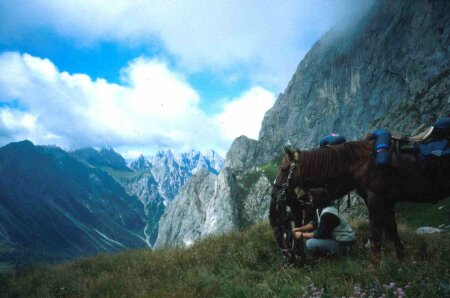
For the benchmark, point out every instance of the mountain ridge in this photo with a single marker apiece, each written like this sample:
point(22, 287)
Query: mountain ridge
point(58, 205)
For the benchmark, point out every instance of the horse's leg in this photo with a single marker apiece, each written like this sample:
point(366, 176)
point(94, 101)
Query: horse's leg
point(375, 204)
point(390, 227)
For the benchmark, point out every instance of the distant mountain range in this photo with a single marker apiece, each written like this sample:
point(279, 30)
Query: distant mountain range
point(57, 205)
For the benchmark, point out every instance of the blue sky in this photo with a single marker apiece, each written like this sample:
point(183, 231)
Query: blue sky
point(142, 76)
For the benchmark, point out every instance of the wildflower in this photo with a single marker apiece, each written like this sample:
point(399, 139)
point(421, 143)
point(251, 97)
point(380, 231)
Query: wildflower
point(390, 286)
point(357, 290)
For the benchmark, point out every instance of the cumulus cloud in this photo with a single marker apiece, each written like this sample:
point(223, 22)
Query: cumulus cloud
point(153, 108)
point(264, 40)
point(244, 115)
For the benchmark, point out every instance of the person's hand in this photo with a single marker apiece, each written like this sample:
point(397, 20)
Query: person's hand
point(298, 235)
point(296, 230)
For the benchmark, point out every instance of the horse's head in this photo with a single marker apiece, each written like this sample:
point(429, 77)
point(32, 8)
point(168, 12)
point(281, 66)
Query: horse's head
point(287, 170)
point(283, 194)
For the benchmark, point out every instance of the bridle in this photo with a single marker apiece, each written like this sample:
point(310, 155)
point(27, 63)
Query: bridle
point(286, 186)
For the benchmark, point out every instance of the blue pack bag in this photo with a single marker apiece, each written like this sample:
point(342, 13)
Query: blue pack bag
point(332, 139)
point(382, 147)
point(442, 126)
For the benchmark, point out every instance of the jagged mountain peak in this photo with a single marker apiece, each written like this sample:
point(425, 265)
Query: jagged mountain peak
point(140, 164)
point(164, 154)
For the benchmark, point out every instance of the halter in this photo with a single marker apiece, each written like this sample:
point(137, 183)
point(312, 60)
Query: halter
point(299, 191)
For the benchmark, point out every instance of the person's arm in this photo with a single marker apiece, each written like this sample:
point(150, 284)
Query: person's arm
point(304, 231)
point(305, 228)
point(306, 235)
point(328, 223)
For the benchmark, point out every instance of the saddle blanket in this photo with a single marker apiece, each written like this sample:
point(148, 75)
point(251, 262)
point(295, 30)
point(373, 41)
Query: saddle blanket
point(437, 148)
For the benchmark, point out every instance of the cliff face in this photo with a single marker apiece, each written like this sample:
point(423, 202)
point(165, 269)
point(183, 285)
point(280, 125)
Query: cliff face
point(210, 204)
point(159, 180)
point(182, 223)
point(390, 69)
point(206, 205)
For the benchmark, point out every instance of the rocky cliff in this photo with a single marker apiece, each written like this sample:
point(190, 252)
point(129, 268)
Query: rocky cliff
point(388, 69)
point(210, 204)
point(192, 204)
point(157, 181)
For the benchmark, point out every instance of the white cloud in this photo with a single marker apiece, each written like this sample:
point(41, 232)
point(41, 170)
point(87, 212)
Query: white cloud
point(244, 115)
point(153, 108)
point(261, 39)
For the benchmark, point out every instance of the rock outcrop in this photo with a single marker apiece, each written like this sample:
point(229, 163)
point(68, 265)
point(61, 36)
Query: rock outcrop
point(242, 154)
point(209, 205)
point(158, 181)
point(183, 220)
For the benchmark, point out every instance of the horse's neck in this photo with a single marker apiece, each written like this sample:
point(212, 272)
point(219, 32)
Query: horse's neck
point(358, 154)
point(337, 162)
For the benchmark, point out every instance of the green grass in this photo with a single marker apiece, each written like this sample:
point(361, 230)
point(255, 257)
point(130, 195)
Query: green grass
point(249, 178)
point(121, 176)
point(241, 264)
point(421, 214)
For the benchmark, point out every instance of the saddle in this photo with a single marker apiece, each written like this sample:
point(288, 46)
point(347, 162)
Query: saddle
point(438, 131)
point(433, 141)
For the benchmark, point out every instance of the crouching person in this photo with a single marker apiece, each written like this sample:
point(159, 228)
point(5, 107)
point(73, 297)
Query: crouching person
point(328, 234)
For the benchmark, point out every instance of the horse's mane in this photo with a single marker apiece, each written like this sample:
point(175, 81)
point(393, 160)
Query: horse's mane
point(327, 162)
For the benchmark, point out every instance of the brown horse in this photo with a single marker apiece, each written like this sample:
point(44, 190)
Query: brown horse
point(350, 166)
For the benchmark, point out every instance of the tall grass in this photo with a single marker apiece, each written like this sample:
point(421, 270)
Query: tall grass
point(243, 264)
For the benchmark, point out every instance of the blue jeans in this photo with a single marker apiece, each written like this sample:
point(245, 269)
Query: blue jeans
point(324, 247)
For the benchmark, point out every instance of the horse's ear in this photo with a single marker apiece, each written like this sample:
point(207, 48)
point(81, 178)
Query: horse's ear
point(289, 152)
point(297, 155)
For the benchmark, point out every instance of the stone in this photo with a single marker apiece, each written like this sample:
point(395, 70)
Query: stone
point(428, 230)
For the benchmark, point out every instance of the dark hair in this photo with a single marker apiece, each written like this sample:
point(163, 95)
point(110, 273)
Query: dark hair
point(320, 198)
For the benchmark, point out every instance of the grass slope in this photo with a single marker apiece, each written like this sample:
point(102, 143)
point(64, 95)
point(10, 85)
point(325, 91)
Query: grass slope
point(242, 264)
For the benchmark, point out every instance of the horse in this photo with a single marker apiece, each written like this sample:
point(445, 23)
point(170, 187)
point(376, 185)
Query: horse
point(292, 208)
point(351, 166)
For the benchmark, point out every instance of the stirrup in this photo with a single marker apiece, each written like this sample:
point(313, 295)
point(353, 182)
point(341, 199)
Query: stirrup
point(421, 137)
